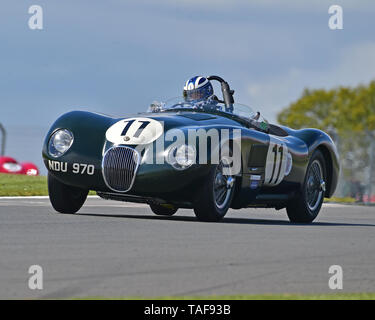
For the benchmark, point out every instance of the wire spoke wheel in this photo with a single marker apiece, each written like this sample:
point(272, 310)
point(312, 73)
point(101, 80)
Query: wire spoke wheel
point(223, 185)
point(314, 190)
point(214, 197)
point(307, 202)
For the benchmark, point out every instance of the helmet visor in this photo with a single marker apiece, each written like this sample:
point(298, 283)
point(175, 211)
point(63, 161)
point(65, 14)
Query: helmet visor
point(195, 94)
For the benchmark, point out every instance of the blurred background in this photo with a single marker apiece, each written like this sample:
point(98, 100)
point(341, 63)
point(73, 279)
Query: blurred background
point(117, 56)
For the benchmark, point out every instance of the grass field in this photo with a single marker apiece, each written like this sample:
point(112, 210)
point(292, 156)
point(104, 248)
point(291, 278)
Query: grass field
point(20, 185)
point(346, 200)
point(12, 185)
point(332, 296)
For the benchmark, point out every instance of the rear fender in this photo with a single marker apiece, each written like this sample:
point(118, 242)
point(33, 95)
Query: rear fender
point(318, 140)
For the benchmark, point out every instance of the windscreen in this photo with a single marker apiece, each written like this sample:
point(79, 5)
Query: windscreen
point(177, 103)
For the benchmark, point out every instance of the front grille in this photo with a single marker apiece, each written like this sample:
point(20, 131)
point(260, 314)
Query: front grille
point(120, 165)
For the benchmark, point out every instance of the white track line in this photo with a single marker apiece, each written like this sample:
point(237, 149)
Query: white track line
point(6, 202)
point(336, 205)
point(330, 205)
point(37, 197)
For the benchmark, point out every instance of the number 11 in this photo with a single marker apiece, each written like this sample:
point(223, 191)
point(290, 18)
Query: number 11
point(277, 149)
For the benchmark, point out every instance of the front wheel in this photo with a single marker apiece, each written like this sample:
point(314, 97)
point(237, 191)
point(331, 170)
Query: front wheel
point(215, 196)
point(308, 201)
point(64, 198)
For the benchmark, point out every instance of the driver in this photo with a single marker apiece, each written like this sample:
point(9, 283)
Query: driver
point(199, 91)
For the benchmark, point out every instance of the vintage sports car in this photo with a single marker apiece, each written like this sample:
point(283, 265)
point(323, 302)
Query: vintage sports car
point(10, 165)
point(151, 158)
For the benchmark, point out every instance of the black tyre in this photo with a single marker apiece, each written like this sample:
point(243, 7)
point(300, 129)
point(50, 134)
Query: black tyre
point(163, 210)
point(215, 196)
point(64, 198)
point(308, 201)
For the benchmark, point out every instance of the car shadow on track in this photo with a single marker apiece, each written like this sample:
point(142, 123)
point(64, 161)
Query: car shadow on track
point(227, 220)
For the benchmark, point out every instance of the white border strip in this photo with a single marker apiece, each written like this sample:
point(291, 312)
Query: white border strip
point(327, 204)
point(37, 197)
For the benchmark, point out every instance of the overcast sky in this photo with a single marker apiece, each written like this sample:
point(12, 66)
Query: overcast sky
point(116, 56)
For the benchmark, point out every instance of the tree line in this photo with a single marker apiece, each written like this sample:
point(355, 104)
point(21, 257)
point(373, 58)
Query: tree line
point(347, 114)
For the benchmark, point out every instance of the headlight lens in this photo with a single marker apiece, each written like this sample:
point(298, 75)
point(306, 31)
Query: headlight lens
point(181, 157)
point(12, 167)
point(60, 142)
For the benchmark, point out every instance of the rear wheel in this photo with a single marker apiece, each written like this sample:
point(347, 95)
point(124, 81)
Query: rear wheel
point(308, 201)
point(163, 209)
point(215, 196)
point(64, 198)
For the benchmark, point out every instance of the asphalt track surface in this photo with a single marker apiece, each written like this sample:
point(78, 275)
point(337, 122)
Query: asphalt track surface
point(113, 249)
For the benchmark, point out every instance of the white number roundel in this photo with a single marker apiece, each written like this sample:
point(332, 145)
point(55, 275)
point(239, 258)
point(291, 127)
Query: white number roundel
point(134, 131)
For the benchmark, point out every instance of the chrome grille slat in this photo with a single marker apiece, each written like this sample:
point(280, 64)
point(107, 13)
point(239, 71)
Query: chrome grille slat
point(119, 166)
point(128, 163)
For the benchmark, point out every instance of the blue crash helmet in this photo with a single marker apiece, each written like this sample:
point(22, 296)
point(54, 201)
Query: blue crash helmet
point(198, 89)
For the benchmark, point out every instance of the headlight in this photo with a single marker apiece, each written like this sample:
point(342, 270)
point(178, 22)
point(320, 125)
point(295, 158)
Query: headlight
point(12, 167)
point(181, 157)
point(60, 142)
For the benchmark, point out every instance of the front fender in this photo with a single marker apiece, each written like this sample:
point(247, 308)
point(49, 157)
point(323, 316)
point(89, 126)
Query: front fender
point(89, 136)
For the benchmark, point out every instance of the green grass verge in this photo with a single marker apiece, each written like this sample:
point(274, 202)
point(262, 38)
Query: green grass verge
point(345, 200)
point(330, 296)
point(21, 185)
point(12, 185)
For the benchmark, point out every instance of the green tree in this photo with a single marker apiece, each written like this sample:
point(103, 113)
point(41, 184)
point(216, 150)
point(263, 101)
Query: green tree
point(347, 114)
